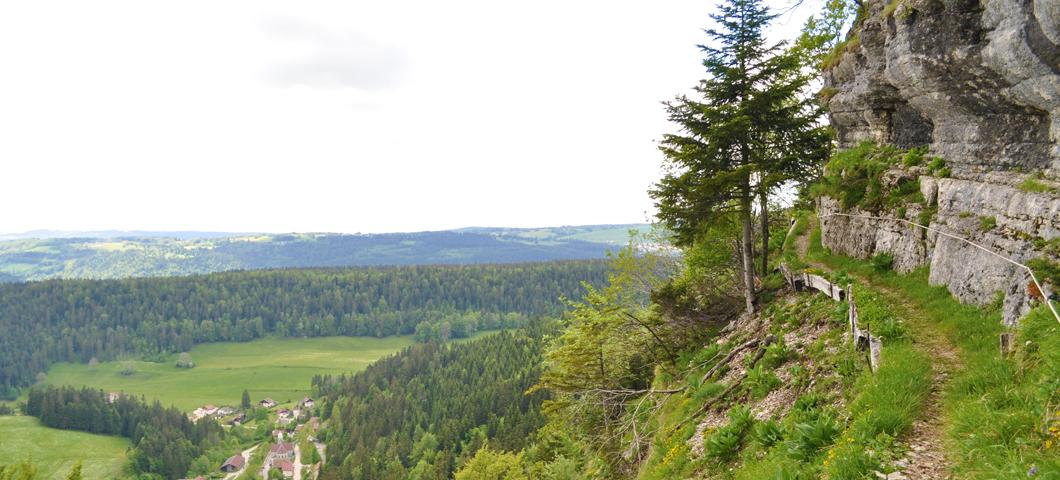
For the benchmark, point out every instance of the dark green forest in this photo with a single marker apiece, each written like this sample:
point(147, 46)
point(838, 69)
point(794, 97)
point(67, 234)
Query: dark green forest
point(77, 320)
point(425, 411)
point(165, 440)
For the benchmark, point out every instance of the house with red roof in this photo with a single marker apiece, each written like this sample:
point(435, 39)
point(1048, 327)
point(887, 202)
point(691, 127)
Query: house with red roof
point(234, 463)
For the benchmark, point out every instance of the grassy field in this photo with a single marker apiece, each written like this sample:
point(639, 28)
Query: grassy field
point(277, 368)
point(56, 451)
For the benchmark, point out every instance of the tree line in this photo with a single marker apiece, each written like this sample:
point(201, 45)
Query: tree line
point(165, 440)
point(750, 131)
point(78, 320)
point(423, 412)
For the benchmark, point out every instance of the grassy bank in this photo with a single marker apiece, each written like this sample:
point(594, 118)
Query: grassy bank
point(998, 412)
point(55, 451)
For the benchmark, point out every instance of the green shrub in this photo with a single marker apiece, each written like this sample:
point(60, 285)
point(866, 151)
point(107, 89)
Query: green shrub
point(777, 354)
point(987, 224)
point(850, 461)
point(808, 405)
point(915, 156)
point(800, 376)
point(1046, 270)
point(768, 433)
point(889, 329)
point(936, 165)
point(1049, 247)
point(882, 262)
point(853, 175)
point(847, 365)
point(808, 439)
point(926, 215)
point(1034, 186)
point(761, 381)
point(726, 441)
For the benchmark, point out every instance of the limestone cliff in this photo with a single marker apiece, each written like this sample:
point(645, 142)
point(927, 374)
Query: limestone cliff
point(978, 83)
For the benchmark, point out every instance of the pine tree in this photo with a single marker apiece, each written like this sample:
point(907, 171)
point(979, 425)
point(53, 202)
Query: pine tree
point(245, 403)
point(747, 133)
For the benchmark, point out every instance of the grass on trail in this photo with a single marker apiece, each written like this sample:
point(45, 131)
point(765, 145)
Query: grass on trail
point(56, 451)
point(272, 367)
point(1001, 415)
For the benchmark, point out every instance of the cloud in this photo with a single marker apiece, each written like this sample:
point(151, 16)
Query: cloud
point(333, 59)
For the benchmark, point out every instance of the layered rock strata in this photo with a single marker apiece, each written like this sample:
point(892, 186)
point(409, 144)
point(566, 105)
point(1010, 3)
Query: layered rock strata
point(978, 83)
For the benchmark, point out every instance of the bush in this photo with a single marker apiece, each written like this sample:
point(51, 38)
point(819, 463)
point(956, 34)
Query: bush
point(926, 215)
point(725, 442)
point(1034, 186)
point(768, 433)
point(808, 439)
point(761, 381)
point(936, 166)
point(914, 157)
point(777, 354)
point(1046, 270)
point(184, 360)
point(987, 224)
point(881, 262)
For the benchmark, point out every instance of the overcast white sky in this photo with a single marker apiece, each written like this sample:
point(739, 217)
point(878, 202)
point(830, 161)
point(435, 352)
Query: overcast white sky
point(346, 116)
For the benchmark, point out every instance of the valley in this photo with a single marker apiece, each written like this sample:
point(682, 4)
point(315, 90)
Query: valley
point(853, 270)
point(271, 367)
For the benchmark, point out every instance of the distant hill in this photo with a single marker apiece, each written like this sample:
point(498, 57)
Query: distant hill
point(113, 254)
point(43, 234)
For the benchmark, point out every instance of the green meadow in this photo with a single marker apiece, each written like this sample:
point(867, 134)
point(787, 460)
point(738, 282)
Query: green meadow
point(279, 368)
point(56, 451)
point(274, 367)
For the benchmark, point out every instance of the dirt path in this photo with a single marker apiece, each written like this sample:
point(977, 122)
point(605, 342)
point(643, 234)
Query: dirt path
point(925, 458)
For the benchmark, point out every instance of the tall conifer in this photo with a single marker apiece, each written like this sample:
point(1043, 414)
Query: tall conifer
point(747, 132)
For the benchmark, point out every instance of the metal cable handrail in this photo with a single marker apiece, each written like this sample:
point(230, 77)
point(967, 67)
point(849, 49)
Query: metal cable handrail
point(1034, 279)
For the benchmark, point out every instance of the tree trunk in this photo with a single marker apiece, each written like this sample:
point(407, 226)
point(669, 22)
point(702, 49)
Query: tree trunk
point(747, 247)
point(763, 199)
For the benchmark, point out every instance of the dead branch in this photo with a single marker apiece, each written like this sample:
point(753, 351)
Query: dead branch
point(669, 353)
point(706, 406)
point(728, 358)
point(768, 340)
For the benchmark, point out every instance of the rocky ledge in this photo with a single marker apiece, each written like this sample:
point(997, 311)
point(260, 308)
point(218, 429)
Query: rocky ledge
point(978, 83)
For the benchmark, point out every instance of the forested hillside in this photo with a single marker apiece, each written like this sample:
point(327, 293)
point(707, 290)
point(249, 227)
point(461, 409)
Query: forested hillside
point(861, 340)
point(165, 440)
point(112, 255)
point(77, 320)
point(422, 413)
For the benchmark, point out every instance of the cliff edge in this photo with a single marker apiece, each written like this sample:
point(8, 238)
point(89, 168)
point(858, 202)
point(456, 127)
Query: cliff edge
point(978, 84)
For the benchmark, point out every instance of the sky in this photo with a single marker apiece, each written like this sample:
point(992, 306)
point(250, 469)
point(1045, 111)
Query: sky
point(344, 116)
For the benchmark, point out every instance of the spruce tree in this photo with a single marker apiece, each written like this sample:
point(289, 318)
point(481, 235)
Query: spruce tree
point(746, 133)
point(245, 403)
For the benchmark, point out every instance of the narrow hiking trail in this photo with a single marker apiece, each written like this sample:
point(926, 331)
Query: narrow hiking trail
point(925, 457)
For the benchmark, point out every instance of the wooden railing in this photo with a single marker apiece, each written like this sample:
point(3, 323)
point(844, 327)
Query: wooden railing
point(862, 338)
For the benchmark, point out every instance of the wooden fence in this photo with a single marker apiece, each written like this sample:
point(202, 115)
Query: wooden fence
point(863, 340)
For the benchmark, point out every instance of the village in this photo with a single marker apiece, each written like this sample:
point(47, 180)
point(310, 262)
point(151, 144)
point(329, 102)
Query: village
point(291, 450)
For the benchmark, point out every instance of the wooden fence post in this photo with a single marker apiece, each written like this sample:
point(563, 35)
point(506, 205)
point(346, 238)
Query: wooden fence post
point(875, 345)
point(1006, 344)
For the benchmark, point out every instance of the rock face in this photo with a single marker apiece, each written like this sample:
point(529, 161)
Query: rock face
point(978, 82)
